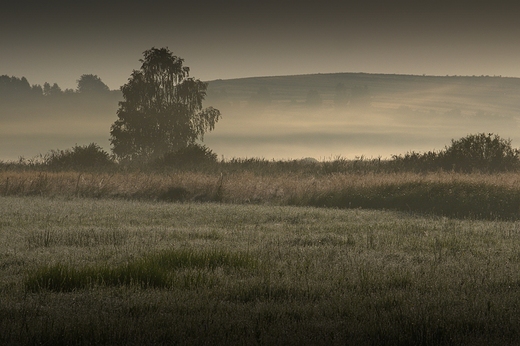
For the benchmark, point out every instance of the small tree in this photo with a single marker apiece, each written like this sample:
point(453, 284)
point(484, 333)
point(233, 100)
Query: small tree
point(53, 90)
point(192, 155)
point(89, 83)
point(87, 157)
point(162, 109)
point(483, 152)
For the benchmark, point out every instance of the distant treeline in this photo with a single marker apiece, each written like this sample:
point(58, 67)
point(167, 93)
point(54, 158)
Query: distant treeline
point(21, 88)
point(18, 98)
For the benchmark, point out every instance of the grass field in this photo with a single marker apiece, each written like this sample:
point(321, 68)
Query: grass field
point(117, 271)
point(481, 196)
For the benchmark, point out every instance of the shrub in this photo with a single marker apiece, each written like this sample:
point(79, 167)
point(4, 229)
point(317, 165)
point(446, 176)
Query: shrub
point(481, 152)
point(86, 157)
point(486, 153)
point(192, 155)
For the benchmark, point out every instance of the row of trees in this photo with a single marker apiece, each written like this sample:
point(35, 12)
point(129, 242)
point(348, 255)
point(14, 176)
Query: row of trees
point(18, 88)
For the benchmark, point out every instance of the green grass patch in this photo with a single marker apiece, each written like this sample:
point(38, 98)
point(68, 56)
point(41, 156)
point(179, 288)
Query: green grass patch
point(152, 271)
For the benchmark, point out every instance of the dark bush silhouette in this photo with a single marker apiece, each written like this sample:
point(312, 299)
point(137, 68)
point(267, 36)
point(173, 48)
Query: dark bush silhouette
point(174, 194)
point(485, 153)
point(88, 157)
point(192, 155)
point(481, 152)
point(90, 83)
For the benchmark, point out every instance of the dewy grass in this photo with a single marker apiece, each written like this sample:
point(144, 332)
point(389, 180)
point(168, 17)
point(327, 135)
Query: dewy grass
point(77, 237)
point(150, 271)
point(454, 199)
point(476, 195)
point(192, 273)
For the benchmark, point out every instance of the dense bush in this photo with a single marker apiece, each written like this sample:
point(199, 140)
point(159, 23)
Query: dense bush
point(86, 157)
point(485, 153)
point(192, 155)
point(481, 152)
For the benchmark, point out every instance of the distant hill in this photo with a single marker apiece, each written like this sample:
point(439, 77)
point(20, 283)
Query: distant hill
point(469, 95)
point(359, 113)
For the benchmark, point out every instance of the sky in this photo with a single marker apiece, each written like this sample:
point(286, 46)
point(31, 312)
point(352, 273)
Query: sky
point(58, 41)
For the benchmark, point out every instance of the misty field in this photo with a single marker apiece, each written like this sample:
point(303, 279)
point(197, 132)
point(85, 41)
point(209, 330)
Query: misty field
point(119, 271)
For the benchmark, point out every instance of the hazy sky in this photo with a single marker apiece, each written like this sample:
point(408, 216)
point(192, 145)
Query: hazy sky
point(58, 41)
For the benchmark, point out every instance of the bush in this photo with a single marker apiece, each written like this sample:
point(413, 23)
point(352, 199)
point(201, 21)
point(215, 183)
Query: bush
point(481, 152)
point(86, 157)
point(192, 155)
point(486, 153)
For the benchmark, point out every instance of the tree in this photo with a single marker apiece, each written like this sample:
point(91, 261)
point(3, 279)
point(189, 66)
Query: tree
point(481, 152)
point(162, 109)
point(89, 83)
point(53, 90)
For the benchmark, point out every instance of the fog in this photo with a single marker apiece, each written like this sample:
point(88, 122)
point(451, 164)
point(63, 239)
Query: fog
point(290, 117)
point(379, 115)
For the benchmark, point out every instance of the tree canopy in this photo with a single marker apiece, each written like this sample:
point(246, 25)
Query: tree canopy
point(162, 109)
point(90, 83)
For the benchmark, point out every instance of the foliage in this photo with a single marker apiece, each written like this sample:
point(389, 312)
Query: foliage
point(190, 156)
point(13, 87)
point(85, 157)
point(162, 110)
point(53, 90)
point(485, 153)
point(89, 83)
point(481, 152)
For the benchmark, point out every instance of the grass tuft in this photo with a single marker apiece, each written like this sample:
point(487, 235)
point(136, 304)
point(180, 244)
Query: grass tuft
point(152, 271)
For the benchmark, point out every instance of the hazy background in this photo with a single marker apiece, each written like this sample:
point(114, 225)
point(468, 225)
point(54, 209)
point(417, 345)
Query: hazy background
point(58, 41)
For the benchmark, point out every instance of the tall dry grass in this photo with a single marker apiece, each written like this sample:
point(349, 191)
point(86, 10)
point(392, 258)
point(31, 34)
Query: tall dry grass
point(488, 196)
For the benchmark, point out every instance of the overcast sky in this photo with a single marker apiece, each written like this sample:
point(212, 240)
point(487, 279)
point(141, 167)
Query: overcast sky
point(58, 41)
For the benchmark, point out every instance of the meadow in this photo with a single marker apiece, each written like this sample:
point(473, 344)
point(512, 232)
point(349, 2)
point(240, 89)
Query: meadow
point(259, 252)
point(368, 184)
